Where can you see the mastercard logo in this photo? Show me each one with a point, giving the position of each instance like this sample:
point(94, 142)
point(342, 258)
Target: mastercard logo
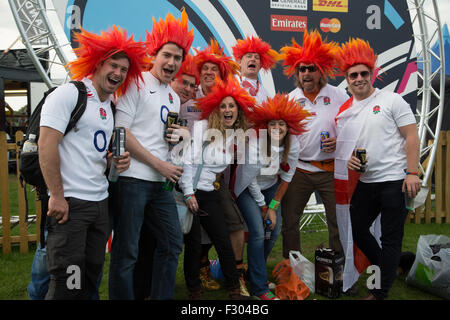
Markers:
point(330, 25)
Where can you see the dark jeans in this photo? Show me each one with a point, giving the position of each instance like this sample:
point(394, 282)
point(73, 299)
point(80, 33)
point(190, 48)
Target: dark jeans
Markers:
point(79, 242)
point(215, 226)
point(139, 200)
point(368, 201)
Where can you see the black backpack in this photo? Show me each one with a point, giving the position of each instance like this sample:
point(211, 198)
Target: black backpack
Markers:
point(29, 169)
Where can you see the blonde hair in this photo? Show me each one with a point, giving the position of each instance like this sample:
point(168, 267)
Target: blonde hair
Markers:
point(215, 121)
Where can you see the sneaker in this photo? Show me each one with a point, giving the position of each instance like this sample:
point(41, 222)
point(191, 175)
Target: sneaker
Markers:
point(207, 280)
point(243, 287)
point(267, 296)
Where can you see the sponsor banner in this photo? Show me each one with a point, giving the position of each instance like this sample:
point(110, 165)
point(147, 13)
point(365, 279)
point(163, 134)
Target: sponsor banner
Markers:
point(288, 23)
point(330, 25)
point(289, 4)
point(277, 23)
point(330, 5)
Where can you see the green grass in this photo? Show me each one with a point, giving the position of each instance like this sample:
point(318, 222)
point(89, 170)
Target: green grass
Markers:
point(15, 269)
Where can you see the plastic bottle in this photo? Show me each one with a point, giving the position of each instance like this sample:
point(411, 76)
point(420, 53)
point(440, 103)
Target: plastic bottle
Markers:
point(30, 145)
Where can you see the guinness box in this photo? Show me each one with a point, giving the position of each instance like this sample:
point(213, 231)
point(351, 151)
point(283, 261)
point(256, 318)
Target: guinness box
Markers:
point(329, 267)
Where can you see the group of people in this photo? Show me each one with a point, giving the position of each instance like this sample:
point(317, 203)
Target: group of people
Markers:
point(225, 191)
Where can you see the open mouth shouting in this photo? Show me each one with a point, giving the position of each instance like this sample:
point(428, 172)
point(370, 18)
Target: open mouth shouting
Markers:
point(168, 72)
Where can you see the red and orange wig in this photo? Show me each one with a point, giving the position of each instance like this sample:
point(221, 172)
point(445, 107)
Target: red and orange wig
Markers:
point(356, 51)
point(221, 90)
point(170, 30)
point(268, 56)
point(94, 49)
point(314, 50)
point(189, 67)
point(214, 54)
point(280, 107)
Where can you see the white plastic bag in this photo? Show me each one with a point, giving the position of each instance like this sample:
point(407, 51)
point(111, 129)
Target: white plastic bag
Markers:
point(303, 268)
point(431, 269)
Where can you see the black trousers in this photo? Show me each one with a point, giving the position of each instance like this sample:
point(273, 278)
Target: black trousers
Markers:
point(368, 201)
point(215, 226)
point(76, 250)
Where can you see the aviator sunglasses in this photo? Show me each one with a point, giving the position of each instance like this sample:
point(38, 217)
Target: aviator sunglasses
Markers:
point(354, 75)
point(303, 69)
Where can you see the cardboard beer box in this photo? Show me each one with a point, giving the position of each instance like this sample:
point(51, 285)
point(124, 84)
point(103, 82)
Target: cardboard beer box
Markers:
point(329, 267)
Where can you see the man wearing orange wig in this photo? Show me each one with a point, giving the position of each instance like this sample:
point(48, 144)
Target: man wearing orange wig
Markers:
point(73, 165)
point(253, 54)
point(185, 85)
point(144, 114)
point(311, 64)
point(382, 123)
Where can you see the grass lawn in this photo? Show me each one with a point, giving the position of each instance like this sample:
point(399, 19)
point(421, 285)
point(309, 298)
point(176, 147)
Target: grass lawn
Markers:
point(15, 269)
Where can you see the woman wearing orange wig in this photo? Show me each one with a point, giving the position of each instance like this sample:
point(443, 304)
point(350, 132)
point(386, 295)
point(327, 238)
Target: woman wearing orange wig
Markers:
point(260, 192)
point(224, 108)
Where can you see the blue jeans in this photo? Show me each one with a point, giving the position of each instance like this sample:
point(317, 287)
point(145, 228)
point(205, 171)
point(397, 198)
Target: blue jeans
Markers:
point(258, 248)
point(139, 200)
point(40, 278)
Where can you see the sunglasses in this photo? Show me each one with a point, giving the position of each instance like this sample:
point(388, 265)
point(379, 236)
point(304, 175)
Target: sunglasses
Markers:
point(303, 69)
point(189, 84)
point(354, 75)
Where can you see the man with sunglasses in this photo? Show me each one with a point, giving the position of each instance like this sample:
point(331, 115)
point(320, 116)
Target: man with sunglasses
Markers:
point(311, 64)
point(381, 122)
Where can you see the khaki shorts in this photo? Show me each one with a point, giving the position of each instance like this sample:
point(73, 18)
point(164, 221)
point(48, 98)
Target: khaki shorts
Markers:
point(233, 216)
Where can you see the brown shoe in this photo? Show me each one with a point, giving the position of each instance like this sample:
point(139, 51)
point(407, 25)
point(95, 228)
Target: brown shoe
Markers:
point(369, 297)
point(207, 280)
point(195, 294)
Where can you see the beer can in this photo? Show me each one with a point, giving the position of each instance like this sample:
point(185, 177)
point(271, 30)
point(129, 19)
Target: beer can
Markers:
point(172, 118)
point(324, 135)
point(361, 154)
point(118, 142)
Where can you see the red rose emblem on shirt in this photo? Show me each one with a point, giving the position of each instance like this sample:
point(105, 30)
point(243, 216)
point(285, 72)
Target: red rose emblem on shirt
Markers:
point(376, 109)
point(103, 113)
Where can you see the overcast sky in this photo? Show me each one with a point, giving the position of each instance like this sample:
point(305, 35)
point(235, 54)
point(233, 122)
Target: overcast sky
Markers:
point(9, 32)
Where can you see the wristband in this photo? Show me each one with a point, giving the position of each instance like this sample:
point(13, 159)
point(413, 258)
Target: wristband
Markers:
point(189, 197)
point(413, 173)
point(274, 204)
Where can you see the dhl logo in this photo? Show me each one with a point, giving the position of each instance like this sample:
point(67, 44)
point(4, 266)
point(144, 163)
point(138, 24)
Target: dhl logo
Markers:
point(330, 5)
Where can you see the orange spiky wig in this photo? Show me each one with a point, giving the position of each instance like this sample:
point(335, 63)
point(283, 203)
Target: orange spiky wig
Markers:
point(314, 50)
point(189, 67)
point(170, 30)
point(221, 90)
point(95, 49)
point(214, 54)
point(356, 51)
point(280, 107)
point(268, 56)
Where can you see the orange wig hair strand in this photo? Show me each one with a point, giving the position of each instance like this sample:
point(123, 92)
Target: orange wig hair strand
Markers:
point(170, 30)
point(280, 107)
point(214, 54)
point(314, 50)
point(268, 56)
point(94, 49)
point(221, 90)
point(356, 51)
point(189, 67)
